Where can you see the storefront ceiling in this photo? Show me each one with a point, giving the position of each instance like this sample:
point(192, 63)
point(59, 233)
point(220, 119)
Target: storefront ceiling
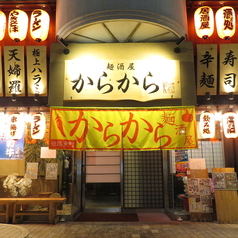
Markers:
point(48, 5)
point(212, 3)
point(121, 31)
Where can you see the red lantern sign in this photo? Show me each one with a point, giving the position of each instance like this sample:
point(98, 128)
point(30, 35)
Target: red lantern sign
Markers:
point(16, 126)
point(230, 125)
point(38, 125)
point(226, 22)
point(17, 25)
point(39, 25)
point(204, 22)
point(207, 125)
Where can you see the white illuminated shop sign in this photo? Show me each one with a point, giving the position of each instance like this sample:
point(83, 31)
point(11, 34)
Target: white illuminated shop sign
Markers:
point(140, 80)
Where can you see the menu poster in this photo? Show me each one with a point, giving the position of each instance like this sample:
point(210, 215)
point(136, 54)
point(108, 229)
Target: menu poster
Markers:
point(201, 204)
point(199, 186)
point(31, 170)
point(225, 181)
point(197, 163)
point(231, 181)
point(219, 180)
point(181, 162)
point(51, 171)
point(193, 186)
point(205, 186)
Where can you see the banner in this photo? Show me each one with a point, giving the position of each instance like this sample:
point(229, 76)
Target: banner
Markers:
point(207, 69)
point(128, 129)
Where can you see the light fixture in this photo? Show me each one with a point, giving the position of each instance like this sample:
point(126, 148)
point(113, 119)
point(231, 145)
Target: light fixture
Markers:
point(39, 25)
point(17, 25)
point(2, 25)
point(207, 124)
point(225, 22)
point(38, 126)
point(14, 97)
point(16, 126)
point(208, 96)
point(230, 124)
point(231, 95)
point(178, 43)
point(65, 44)
point(204, 22)
point(36, 97)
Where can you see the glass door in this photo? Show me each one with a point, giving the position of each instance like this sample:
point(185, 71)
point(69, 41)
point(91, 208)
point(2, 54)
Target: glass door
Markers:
point(102, 186)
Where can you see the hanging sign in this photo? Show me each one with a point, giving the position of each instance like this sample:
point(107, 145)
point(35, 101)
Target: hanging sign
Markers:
point(141, 80)
point(226, 22)
point(207, 125)
point(14, 70)
point(36, 70)
point(228, 68)
point(16, 126)
point(17, 25)
point(39, 25)
point(230, 125)
point(204, 22)
point(128, 129)
point(38, 126)
point(206, 69)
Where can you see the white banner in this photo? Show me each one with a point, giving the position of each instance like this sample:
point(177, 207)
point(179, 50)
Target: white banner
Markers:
point(14, 70)
point(228, 68)
point(36, 70)
point(206, 69)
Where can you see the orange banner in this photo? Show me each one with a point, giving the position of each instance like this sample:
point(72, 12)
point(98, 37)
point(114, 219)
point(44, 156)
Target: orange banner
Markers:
point(128, 129)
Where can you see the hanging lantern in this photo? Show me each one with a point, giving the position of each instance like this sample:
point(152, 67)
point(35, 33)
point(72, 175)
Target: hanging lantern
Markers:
point(17, 25)
point(2, 25)
point(16, 126)
point(38, 125)
point(207, 125)
point(204, 22)
point(230, 125)
point(226, 22)
point(39, 25)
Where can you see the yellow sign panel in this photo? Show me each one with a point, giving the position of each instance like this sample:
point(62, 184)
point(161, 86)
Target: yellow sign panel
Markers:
point(127, 129)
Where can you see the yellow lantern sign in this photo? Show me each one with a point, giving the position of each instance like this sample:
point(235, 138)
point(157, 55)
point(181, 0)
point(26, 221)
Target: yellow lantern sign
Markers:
point(226, 22)
point(230, 125)
point(16, 126)
point(2, 25)
point(17, 25)
point(207, 125)
point(39, 25)
point(204, 22)
point(38, 126)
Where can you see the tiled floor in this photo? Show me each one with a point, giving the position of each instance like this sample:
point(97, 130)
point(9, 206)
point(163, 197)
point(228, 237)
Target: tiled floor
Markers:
point(147, 227)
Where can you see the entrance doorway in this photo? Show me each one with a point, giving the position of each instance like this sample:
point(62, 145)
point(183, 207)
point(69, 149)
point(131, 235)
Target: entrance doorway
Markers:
point(102, 183)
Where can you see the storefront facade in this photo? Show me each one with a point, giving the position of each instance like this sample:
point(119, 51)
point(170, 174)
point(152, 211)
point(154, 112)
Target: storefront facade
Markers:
point(114, 67)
